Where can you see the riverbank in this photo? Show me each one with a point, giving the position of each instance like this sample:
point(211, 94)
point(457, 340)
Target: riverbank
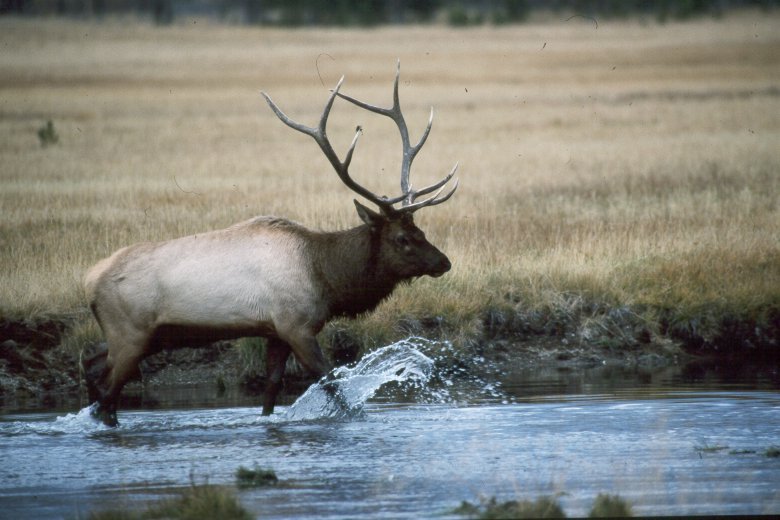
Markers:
point(39, 361)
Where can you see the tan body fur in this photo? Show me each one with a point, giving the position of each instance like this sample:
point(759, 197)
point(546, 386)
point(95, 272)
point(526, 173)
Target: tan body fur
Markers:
point(202, 280)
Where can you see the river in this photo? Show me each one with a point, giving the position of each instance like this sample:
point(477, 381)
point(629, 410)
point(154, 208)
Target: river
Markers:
point(411, 443)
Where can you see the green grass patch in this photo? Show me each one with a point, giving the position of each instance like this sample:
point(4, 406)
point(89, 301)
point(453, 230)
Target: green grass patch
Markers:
point(604, 506)
point(255, 477)
point(543, 507)
point(198, 502)
point(610, 506)
point(706, 448)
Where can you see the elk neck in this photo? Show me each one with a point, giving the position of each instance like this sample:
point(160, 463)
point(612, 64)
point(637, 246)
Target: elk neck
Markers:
point(349, 265)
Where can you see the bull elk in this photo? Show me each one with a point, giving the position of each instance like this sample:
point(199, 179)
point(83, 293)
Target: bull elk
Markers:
point(267, 276)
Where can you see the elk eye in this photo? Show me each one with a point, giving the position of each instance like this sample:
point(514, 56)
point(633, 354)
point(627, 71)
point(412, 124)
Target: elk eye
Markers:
point(402, 240)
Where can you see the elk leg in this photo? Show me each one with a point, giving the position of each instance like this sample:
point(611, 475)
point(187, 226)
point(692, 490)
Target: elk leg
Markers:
point(123, 365)
point(276, 354)
point(94, 370)
point(309, 354)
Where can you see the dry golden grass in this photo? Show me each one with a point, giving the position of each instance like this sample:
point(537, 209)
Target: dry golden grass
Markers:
point(628, 164)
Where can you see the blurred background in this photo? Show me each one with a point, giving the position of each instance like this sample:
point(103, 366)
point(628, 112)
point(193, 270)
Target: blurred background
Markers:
point(376, 12)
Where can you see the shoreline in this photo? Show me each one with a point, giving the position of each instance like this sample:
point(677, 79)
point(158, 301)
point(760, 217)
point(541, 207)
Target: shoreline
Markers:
point(38, 369)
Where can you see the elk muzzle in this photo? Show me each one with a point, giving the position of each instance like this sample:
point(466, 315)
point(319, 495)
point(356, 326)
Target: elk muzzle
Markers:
point(440, 264)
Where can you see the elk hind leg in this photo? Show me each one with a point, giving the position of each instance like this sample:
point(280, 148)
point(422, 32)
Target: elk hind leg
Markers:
point(121, 366)
point(276, 354)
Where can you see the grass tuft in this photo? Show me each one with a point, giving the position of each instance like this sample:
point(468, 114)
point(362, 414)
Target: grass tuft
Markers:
point(610, 506)
point(255, 477)
point(198, 502)
point(706, 448)
point(47, 135)
point(604, 506)
point(543, 507)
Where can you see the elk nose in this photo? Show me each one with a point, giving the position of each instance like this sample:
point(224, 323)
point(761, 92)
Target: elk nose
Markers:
point(443, 266)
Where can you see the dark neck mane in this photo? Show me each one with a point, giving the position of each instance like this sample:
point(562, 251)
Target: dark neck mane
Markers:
point(347, 263)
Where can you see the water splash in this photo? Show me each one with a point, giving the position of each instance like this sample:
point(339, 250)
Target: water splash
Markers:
point(79, 422)
point(350, 387)
point(412, 370)
point(460, 376)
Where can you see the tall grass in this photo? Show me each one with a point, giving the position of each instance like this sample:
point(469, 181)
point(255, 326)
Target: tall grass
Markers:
point(625, 164)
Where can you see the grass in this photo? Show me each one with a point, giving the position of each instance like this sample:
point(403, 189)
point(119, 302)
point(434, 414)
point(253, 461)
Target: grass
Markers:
point(770, 452)
point(543, 507)
point(610, 506)
point(255, 477)
point(625, 166)
point(604, 506)
point(198, 502)
point(706, 448)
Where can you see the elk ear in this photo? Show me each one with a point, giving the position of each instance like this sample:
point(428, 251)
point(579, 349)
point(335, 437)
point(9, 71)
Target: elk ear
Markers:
point(372, 218)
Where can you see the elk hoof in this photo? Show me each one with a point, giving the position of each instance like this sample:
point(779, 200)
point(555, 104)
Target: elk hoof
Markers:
point(107, 417)
point(335, 395)
point(330, 384)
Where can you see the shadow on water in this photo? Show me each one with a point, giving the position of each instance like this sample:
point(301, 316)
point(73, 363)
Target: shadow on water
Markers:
point(413, 434)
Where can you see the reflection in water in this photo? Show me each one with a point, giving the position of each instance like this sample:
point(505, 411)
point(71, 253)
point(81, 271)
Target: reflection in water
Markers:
point(418, 450)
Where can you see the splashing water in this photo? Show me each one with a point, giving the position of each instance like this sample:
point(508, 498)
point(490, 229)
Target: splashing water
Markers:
point(79, 422)
point(431, 371)
point(415, 370)
point(460, 375)
point(400, 362)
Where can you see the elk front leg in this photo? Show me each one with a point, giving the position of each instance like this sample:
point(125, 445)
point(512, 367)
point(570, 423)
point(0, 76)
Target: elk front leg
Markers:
point(94, 370)
point(276, 354)
point(309, 354)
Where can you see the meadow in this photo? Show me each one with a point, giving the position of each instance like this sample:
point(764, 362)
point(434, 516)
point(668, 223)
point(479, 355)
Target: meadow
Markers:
point(618, 165)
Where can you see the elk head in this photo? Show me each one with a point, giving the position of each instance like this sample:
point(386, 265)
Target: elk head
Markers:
point(405, 251)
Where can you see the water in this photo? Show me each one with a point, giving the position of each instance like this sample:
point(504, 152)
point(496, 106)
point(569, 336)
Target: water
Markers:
point(418, 447)
point(401, 363)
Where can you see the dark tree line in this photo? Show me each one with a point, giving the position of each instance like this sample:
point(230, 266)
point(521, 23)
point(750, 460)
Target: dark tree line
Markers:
point(376, 12)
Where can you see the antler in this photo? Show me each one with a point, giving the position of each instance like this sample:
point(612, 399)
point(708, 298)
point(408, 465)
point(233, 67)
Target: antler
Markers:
point(408, 196)
point(319, 134)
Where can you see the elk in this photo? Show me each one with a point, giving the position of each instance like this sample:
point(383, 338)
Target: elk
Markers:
point(267, 277)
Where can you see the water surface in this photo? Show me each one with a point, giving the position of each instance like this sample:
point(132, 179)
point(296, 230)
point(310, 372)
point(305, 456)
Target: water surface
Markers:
point(671, 450)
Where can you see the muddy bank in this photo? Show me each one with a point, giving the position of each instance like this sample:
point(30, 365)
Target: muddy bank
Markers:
point(36, 369)
point(34, 362)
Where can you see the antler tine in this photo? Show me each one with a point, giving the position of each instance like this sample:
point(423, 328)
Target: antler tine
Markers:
point(435, 186)
point(308, 130)
point(435, 199)
point(320, 136)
